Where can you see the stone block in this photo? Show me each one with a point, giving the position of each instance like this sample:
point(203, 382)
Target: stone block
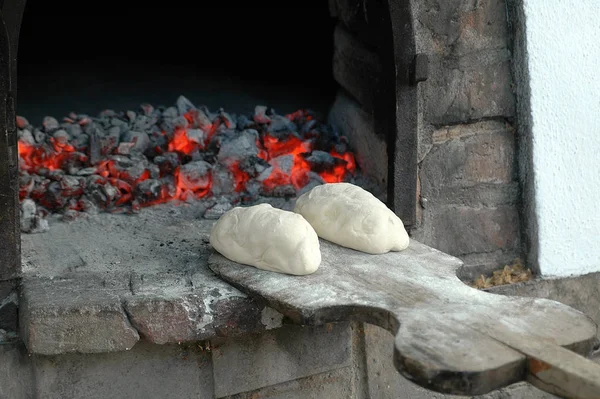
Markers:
point(464, 90)
point(163, 309)
point(488, 195)
point(458, 27)
point(469, 193)
point(385, 382)
point(146, 371)
point(16, 377)
point(468, 155)
point(469, 69)
point(77, 313)
point(460, 131)
point(459, 230)
point(336, 384)
point(256, 361)
point(232, 312)
point(105, 312)
point(163, 320)
point(192, 317)
point(170, 308)
point(454, 95)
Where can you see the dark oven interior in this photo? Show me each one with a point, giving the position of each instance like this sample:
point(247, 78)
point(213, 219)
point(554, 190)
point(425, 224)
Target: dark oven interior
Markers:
point(118, 55)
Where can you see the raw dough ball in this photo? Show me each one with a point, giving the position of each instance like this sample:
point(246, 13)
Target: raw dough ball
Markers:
point(267, 238)
point(352, 217)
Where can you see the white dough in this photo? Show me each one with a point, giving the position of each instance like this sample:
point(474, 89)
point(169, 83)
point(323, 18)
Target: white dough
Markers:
point(352, 217)
point(267, 238)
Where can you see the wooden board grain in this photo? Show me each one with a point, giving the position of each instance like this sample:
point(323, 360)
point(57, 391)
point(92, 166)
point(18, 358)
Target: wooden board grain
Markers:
point(450, 337)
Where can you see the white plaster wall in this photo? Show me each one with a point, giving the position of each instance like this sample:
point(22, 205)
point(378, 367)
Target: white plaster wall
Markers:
point(563, 50)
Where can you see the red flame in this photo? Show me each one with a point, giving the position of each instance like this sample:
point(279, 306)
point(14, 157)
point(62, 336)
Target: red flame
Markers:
point(181, 143)
point(186, 145)
point(275, 148)
point(299, 114)
point(339, 171)
point(240, 177)
point(272, 147)
point(35, 157)
point(194, 187)
point(185, 188)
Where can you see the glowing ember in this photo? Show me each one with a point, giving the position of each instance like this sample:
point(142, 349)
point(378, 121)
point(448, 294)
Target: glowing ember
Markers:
point(51, 157)
point(181, 143)
point(130, 160)
point(240, 177)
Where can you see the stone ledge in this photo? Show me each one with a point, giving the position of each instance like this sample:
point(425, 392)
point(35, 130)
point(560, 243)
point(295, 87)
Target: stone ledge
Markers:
point(74, 314)
point(107, 312)
point(103, 283)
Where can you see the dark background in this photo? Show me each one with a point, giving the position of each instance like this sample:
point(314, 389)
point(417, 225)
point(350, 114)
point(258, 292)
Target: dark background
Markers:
point(85, 57)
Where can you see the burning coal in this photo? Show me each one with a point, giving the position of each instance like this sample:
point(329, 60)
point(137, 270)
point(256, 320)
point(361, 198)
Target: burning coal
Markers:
point(123, 161)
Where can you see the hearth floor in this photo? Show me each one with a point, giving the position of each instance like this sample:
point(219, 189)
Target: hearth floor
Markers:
point(160, 239)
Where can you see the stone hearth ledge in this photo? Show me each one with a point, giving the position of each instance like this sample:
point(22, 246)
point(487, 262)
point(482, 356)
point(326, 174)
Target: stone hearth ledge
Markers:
point(91, 313)
point(103, 283)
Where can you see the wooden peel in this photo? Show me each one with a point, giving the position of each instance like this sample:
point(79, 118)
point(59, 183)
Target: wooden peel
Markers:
point(450, 337)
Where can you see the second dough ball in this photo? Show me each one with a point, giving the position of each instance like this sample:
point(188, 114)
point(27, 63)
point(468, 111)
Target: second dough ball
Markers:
point(352, 217)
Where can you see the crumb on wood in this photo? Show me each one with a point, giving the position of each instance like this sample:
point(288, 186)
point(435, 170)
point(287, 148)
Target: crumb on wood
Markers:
point(510, 274)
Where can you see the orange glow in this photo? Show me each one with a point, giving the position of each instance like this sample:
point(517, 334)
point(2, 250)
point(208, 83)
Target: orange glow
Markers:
point(297, 115)
point(240, 177)
point(197, 119)
point(191, 188)
point(274, 147)
point(338, 174)
point(181, 142)
point(348, 157)
point(298, 177)
point(36, 157)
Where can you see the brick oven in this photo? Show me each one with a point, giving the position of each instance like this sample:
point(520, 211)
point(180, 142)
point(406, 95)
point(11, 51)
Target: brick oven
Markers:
point(445, 148)
point(423, 94)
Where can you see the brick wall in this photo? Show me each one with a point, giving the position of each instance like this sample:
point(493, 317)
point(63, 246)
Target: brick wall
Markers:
point(335, 361)
point(287, 362)
point(468, 190)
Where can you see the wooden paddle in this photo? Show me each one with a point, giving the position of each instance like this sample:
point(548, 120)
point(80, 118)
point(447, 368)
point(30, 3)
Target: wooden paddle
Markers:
point(450, 337)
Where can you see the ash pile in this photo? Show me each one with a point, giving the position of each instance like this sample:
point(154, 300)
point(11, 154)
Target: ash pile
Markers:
point(125, 161)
